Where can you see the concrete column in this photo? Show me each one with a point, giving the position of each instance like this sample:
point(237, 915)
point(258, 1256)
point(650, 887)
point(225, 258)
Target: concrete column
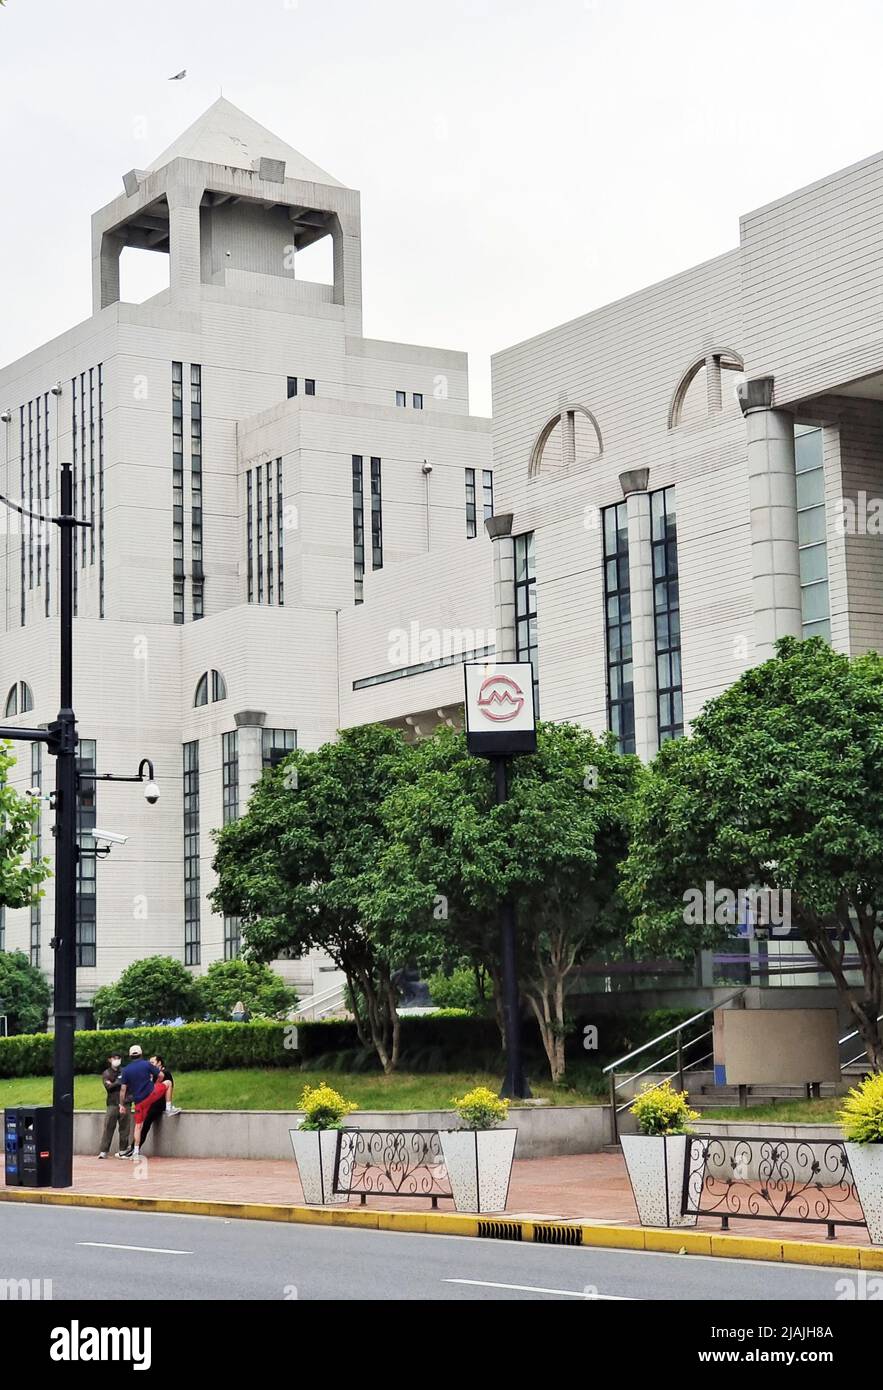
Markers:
point(499, 528)
point(634, 489)
point(185, 269)
point(772, 491)
point(106, 252)
point(250, 725)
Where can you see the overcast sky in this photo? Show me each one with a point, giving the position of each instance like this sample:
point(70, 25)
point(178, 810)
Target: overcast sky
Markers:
point(519, 162)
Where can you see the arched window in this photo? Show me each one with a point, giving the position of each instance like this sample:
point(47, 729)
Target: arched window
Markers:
point(19, 700)
point(703, 389)
point(210, 684)
point(572, 436)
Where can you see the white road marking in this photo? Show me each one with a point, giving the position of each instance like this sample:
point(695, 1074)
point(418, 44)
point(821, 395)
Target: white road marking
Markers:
point(559, 1293)
point(143, 1249)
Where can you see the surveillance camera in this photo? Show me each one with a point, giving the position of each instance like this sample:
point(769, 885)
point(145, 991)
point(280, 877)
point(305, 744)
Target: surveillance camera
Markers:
point(151, 793)
point(57, 389)
point(427, 468)
point(6, 417)
point(108, 837)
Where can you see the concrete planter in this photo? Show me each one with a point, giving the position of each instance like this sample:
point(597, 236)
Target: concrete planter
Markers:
point(314, 1153)
point(866, 1163)
point(479, 1166)
point(655, 1166)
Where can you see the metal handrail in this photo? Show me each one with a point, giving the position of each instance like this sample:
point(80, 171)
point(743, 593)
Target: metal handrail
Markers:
point(854, 1034)
point(697, 1063)
point(678, 1028)
point(679, 1071)
point(636, 1076)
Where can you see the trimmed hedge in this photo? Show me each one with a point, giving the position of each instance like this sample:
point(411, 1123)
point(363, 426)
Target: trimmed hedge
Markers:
point(192, 1047)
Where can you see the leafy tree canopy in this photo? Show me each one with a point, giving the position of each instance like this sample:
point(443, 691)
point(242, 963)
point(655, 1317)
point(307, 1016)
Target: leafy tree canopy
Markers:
point(227, 983)
point(24, 994)
point(153, 990)
point(779, 785)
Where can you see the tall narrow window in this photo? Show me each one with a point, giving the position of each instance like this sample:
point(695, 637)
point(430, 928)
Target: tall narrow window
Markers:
point(21, 548)
point(177, 493)
point(811, 532)
point(417, 400)
point(271, 538)
point(249, 531)
point(526, 609)
point(376, 517)
point(276, 744)
point(196, 512)
point(358, 530)
point(47, 529)
point(36, 847)
point(2, 928)
point(280, 576)
point(232, 938)
point(191, 854)
point(259, 529)
point(309, 386)
point(401, 398)
point(618, 621)
point(90, 533)
point(230, 776)
point(666, 604)
point(471, 527)
point(487, 492)
point(292, 386)
point(86, 877)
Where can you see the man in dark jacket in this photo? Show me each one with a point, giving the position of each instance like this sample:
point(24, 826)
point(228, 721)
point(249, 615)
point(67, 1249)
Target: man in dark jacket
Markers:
point(113, 1117)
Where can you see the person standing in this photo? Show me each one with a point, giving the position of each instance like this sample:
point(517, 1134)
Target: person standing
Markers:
point(138, 1079)
point(115, 1116)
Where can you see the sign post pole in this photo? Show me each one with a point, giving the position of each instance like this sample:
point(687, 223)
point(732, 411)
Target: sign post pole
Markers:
point(501, 723)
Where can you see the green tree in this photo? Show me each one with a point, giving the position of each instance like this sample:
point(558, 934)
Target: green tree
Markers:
point(297, 869)
point(20, 875)
point(24, 994)
point(227, 983)
point(464, 987)
point(553, 846)
point(151, 990)
point(778, 786)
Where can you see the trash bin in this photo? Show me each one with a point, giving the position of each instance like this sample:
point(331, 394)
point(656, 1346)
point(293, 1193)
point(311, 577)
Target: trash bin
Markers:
point(28, 1132)
point(13, 1155)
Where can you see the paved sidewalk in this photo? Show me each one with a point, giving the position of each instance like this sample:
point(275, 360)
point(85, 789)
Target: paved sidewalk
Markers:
point(591, 1187)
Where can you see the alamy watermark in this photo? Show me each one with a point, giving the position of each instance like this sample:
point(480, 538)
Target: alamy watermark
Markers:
point(751, 909)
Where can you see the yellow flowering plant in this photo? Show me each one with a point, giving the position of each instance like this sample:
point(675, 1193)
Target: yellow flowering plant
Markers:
point(862, 1115)
point(324, 1107)
point(662, 1110)
point(480, 1108)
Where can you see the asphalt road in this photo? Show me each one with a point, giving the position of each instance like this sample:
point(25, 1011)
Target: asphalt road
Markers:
point(92, 1254)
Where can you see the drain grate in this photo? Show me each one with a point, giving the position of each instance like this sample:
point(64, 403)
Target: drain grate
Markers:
point(558, 1235)
point(500, 1230)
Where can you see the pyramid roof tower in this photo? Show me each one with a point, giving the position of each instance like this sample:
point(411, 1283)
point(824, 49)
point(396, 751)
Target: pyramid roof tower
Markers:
point(225, 135)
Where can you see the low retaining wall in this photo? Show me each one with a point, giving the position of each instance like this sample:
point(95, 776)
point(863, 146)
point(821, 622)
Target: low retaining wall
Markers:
point(543, 1131)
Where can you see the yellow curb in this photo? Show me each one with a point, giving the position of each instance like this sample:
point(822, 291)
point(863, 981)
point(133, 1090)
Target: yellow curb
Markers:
point(402, 1221)
point(747, 1247)
point(616, 1237)
point(450, 1224)
point(814, 1253)
point(869, 1258)
point(693, 1242)
point(359, 1216)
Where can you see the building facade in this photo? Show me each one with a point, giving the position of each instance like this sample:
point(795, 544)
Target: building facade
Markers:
point(270, 495)
point(296, 529)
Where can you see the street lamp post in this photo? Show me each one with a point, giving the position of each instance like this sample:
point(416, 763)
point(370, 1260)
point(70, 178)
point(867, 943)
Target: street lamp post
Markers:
point(60, 738)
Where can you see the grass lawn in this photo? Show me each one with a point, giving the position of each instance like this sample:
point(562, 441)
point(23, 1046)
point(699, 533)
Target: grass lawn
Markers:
point(819, 1112)
point(279, 1088)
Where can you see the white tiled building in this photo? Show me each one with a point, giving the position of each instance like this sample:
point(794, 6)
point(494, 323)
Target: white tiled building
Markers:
point(272, 496)
point(288, 517)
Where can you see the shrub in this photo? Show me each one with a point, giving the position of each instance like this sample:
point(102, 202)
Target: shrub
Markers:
point(660, 1110)
point(151, 990)
point(227, 983)
point(325, 1107)
point(862, 1113)
point(480, 1109)
point(191, 1047)
point(459, 990)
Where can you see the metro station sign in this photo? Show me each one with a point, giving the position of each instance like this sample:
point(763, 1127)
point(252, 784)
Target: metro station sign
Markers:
point(500, 716)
